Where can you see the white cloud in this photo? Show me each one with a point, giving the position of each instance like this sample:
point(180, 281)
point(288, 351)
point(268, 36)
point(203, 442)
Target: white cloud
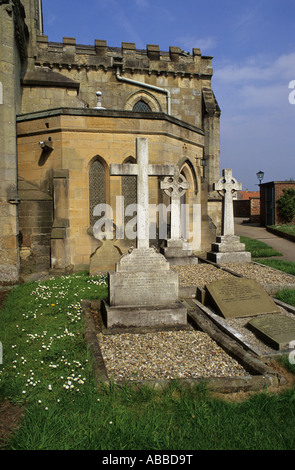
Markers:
point(257, 119)
point(257, 69)
point(190, 42)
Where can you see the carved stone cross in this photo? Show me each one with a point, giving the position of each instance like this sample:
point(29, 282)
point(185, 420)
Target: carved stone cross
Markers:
point(227, 186)
point(175, 187)
point(142, 169)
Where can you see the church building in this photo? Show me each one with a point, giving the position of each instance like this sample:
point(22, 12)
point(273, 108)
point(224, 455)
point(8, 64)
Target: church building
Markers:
point(68, 111)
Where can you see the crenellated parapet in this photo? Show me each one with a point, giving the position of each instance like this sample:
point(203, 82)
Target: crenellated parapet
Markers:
point(152, 60)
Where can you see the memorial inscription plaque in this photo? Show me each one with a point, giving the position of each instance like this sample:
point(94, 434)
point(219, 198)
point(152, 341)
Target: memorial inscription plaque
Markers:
point(240, 297)
point(276, 330)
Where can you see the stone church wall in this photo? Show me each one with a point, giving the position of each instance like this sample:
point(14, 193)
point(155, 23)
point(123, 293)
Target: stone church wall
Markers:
point(77, 138)
point(48, 93)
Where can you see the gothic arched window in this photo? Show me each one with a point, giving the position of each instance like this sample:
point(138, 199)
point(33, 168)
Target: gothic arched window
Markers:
point(129, 191)
point(97, 187)
point(142, 106)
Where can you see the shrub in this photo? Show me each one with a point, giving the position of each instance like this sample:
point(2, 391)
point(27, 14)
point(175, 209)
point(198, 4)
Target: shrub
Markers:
point(286, 204)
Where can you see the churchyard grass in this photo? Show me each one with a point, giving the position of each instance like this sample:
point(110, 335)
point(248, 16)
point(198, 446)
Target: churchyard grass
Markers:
point(283, 265)
point(47, 369)
point(287, 296)
point(287, 228)
point(258, 249)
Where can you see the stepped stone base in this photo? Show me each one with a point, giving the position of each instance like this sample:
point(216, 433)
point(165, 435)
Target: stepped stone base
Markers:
point(229, 249)
point(150, 316)
point(178, 252)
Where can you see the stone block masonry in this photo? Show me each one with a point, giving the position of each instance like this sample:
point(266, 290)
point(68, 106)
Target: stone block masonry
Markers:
point(13, 37)
point(49, 90)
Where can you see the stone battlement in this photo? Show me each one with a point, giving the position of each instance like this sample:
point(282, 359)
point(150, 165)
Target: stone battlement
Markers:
point(69, 54)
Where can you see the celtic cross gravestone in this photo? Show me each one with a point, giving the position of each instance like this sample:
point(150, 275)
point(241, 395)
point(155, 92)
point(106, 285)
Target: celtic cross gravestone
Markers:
point(177, 250)
point(228, 248)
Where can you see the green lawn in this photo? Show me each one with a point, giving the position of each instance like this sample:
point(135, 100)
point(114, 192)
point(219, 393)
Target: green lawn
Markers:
point(287, 228)
point(259, 249)
point(283, 265)
point(47, 370)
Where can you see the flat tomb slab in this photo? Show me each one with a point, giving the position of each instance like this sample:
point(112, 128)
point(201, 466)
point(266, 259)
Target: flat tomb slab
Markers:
point(276, 330)
point(146, 316)
point(240, 297)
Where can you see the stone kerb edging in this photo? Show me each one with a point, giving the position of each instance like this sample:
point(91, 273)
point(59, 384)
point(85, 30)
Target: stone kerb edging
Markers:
point(261, 375)
point(279, 233)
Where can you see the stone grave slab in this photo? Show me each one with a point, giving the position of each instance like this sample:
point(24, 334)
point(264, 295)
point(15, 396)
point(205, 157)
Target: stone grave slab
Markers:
point(240, 297)
point(276, 330)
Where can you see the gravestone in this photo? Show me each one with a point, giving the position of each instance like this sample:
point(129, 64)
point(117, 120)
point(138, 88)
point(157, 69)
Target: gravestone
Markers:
point(236, 297)
point(143, 290)
point(276, 330)
point(104, 258)
point(228, 248)
point(177, 250)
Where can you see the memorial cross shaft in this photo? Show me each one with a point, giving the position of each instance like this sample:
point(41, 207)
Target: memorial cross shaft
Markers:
point(142, 169)
point(227, 186)
point(175, 187)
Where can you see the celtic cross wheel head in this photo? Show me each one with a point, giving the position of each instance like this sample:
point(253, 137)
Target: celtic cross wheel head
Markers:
point(175, 186)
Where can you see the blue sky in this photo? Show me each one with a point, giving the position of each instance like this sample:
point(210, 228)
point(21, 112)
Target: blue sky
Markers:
point(253, 45)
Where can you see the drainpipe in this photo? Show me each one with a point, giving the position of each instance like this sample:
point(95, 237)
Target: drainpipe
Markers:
point(146, 85)
point(40, 17)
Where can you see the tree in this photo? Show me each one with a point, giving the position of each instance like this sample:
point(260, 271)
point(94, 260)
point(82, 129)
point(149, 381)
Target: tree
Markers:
point(286, 205)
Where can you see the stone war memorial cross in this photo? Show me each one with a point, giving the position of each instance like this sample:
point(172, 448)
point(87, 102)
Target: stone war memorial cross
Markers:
point(228, 248)
point(143, 290)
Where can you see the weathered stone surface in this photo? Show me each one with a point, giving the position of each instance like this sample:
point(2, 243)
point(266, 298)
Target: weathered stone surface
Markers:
point(45, 103)
point(228, 248)
point(145, 316)
point(240, 297)
point(104, 258)
point(177, 250)
point(143, 292)
point(143, 278)
point(230, 257)
point(276, 330)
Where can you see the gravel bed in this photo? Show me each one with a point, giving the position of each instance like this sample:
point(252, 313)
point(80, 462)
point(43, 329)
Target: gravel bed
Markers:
point(186, 353)
point(166, 355)
point(198, 274)
point(262, 274)
point(202, 274)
